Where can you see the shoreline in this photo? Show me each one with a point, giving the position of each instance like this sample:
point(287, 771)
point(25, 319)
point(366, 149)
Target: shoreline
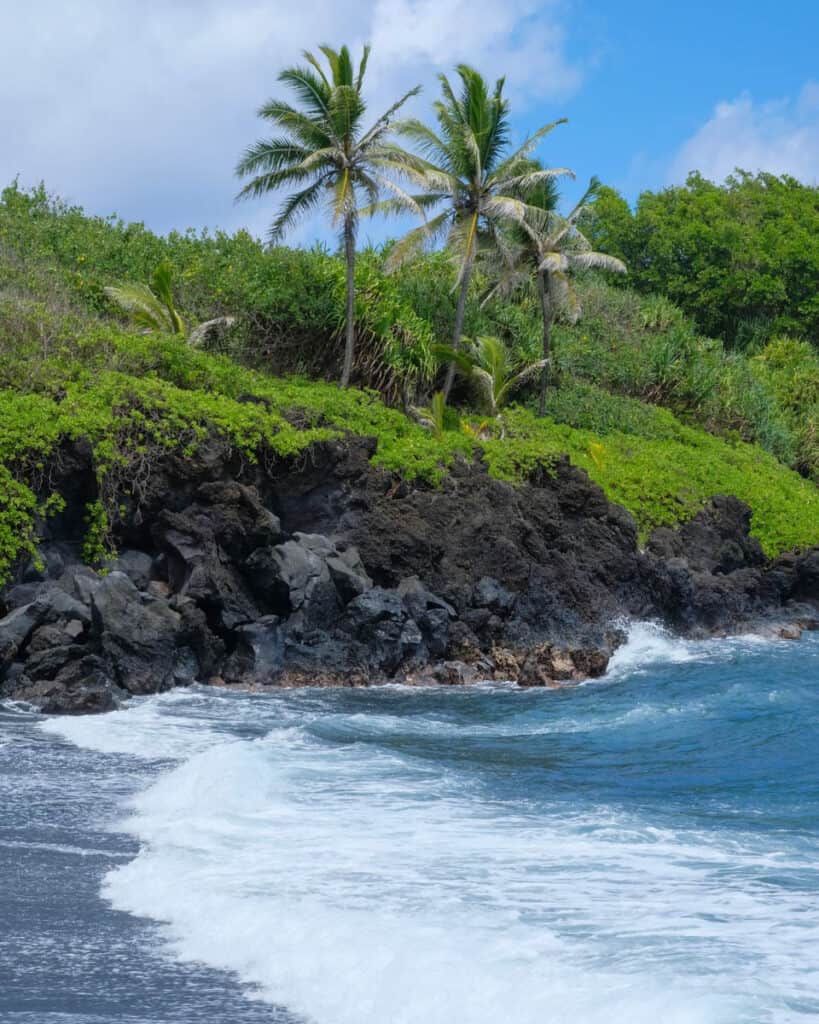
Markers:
point(322, 572)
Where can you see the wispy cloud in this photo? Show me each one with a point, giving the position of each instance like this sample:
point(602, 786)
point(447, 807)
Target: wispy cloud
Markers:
point(143, 108)
point(781, 136)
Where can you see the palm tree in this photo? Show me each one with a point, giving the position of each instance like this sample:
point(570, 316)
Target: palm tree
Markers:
point(325, 153)
point(152, 306)
point(491, 366)
point(550, 248)
point(465, 171)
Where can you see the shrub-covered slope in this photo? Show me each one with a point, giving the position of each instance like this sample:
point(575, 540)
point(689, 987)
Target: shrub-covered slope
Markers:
point(55, 263)
point(69, 371)
point(134, 397)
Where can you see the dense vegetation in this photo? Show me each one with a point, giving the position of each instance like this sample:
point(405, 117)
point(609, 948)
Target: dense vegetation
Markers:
point(741, 258)
point(69, 369)
point(138, 344)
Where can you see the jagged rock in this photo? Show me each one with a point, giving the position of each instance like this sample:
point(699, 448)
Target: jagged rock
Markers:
point(548, 665)
point(418, 600)
point(15, 630)
point(349, 575)
point(379, 579)
point(239, 520)
point(47, 663)
point(137, 566)
point(60, 606)
point(259, 653)
point(80, 687)
point(80, 583)
point(139, 640)
point(45, 638)
point(21, 594)
point(489, 594)
point(303, 567)
point(377, 605)
point(53, 559)
point(262, 570)
point(716, 540)
point(806, 586)
point(198, 569)
point(195, 635)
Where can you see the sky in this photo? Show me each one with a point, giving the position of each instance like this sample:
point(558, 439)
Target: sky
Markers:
point(143, 107)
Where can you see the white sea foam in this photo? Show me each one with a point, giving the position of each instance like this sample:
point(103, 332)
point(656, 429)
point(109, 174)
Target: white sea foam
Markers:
point(141, 729)
point(356, 884)
point(355, 891)
point(650, 644)
point(20, 707)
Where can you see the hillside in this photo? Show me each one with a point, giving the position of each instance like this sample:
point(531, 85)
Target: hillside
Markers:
point(70, 371)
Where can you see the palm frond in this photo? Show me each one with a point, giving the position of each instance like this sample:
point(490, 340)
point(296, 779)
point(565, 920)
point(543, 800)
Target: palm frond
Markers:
point(312, 91)
point(403, 202)
point(598, 260)
point(522, 152)
point(384, 122)
point(415, 241)
point(297, 206)
point(526, 181)
point(140, 303)
point(426, 140)
point(362, 66)
point(316, 65)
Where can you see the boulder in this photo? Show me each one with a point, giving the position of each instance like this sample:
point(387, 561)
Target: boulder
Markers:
point(80, 687)
point(198, 568)
point(311, 591)
point(258, 655)
point(348, 575)
point(139, 639)
point(376, 605)
point(138, 566)
point(15, 629)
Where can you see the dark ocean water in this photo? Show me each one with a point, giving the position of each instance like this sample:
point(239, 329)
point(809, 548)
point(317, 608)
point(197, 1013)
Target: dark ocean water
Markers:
point(642, 849)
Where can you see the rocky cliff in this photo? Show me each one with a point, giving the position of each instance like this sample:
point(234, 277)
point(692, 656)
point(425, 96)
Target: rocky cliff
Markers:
point(325, 570)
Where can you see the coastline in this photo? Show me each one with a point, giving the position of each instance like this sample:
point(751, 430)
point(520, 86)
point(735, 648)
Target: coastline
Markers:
point(324, 571)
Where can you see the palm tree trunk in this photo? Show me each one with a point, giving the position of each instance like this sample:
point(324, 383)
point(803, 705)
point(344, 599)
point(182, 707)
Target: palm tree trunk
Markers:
point(349, 346)
point(548, 316)
point(460, 312)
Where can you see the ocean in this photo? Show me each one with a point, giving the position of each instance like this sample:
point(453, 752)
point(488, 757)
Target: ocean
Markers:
point(639, 849)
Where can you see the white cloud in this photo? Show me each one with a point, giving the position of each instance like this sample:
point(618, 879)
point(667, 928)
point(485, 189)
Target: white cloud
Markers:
point(143, 106)
point(781, 136)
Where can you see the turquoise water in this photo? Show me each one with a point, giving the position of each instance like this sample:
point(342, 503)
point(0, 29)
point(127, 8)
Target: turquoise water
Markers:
point(644, 848)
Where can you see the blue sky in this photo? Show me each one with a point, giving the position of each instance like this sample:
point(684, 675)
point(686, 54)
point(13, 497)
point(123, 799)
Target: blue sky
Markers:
point(141, 107)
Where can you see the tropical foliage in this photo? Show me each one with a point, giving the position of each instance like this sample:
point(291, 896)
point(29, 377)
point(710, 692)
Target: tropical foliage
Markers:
point(150, 307)
point(493, 370)
point(741, 258)
point(134, 397)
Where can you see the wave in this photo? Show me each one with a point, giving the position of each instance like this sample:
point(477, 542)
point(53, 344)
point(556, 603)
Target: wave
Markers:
point(348, 893)
point(649, 644)
point(142, 729)
point(363, 856)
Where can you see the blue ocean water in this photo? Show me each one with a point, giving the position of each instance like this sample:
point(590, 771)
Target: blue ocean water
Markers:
point(642, 848)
